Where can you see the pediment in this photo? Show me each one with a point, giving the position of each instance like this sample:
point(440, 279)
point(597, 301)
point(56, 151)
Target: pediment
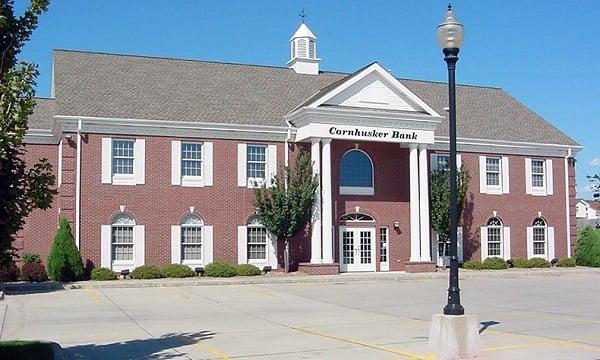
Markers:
point(373, 88)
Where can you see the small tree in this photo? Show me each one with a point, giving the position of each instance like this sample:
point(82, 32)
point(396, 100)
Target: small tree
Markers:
point(440, 200)
point(64, 261)
point(285, 207)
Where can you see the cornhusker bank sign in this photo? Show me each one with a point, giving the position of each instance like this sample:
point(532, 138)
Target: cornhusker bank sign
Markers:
point(364, 133)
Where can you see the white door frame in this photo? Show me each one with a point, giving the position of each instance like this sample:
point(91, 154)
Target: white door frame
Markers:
point(356, 265)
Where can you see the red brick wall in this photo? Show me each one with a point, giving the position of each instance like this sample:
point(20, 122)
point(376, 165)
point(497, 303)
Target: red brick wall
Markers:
point(40, 225)
point(157, 204)
point(516, 209)
point(390, 203)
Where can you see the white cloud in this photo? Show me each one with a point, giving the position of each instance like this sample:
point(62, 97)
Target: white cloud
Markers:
point(595, 162)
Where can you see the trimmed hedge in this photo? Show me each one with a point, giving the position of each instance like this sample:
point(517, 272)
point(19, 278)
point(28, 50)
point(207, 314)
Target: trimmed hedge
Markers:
point(30, 258)
point(9, 272)
point(587, 251)
point(146, 272)
point(538, 263)
point(104, 274)
point(177, 271)
point(220, 269)
point(248, 270)
point(473, 265)
point(566, 262)
point(520, 262)
point(64, 260)
point(494, 263)
point(34, 272)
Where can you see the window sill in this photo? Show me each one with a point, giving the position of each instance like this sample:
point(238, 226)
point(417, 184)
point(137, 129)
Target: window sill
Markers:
point(538, 192)
point(192, 181)
point(255, 182)
point(355, 190)
point(493, 191)
point(123, 180)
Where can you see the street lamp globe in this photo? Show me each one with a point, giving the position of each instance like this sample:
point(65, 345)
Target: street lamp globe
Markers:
point(450, 33)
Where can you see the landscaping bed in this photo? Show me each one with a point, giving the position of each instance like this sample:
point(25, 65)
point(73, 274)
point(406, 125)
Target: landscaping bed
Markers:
point(26, 350)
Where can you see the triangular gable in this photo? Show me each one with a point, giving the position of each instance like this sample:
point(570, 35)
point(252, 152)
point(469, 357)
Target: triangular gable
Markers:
point(372, 88)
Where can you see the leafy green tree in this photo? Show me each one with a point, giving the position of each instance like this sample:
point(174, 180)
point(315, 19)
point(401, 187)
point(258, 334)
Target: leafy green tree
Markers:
point(285, 207)
point(64, 261)
point(440, 200)
point(22, 189)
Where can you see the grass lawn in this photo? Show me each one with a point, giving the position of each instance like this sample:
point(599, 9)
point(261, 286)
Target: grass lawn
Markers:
point(26, 350)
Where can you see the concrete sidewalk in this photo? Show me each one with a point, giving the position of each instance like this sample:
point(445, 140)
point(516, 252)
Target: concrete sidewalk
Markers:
point(296, 279)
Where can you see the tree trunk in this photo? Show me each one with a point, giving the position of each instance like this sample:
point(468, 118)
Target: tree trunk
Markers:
point(286, 256)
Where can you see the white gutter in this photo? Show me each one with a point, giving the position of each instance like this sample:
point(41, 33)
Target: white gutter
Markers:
point(567, 207)
point(78, 186)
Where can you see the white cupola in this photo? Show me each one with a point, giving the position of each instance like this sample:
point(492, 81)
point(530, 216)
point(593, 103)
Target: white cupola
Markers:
point(303, 54)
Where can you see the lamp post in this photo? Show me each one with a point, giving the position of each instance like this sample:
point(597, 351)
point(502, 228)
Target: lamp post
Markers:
point(450, 35)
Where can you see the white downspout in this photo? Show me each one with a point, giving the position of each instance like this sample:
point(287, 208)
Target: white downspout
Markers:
point(567, 207)
point(287, 140)
point(78, 186)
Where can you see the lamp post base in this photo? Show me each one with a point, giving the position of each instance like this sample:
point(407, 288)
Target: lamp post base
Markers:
point(455, 337)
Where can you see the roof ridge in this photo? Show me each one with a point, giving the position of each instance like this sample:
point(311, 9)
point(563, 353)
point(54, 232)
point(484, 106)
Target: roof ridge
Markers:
point(183, 59)
point(253, 65)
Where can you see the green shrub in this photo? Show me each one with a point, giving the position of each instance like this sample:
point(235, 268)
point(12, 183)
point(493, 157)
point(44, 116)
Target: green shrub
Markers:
point(34, 272)
point(494, 263)
point(146, 272)
point(177, 271)
point(566, 262)
point(473, 265)
point(64, 260)
point(30, 258)
point(587, 251)
point(538, 263)
point(103, 274)
point(9, 272)
point(247, 270)
point(520, 262)
point(220, 269)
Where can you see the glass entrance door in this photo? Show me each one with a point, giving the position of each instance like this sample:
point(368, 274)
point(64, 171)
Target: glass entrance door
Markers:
point(357, 249)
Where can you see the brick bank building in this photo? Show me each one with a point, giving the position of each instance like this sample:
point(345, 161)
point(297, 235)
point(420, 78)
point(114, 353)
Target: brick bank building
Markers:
point(156, 158)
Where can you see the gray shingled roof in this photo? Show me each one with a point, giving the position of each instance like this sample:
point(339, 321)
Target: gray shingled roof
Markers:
point(123, 86)
point(42, 114)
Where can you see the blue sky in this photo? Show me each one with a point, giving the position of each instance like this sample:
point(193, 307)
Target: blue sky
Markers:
point(543, 53)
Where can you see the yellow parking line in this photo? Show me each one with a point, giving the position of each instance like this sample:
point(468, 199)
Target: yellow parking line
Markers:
point(544, 340)
point(406, 354)
point(93, 294)
point(212, 351)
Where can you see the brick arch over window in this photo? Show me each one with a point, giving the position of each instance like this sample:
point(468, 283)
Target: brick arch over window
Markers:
point(122, 242)
point(191, 241)
point(356, 173)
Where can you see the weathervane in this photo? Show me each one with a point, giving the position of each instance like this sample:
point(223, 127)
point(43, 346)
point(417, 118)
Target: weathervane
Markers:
point(303, 15)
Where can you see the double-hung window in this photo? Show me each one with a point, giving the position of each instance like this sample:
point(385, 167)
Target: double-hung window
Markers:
point(256, 162)
point(191, 239)
point(494, 237)
point(537, 173)
point(538, 177)
point(257, 243)
point(122, 243)
point(493, 175)
point(123, 161)
point(122, 157)
point(539, 237)
point(191, 160)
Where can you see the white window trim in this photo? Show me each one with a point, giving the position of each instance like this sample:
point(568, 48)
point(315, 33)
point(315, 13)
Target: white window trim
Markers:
point(139, 166)
point(206, 163)
point(503, 174)
point(243, 248)
point(434, 161)
point(264, 261)
point(548, 187)
point(384, 265)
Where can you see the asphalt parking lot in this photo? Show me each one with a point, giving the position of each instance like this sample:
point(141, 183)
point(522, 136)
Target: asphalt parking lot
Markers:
point(522, 318)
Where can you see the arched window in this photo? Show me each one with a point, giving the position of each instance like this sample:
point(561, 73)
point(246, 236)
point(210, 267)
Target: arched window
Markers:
point(122, 238)
point(356, 217)
point(256, 240)
point(539, 237)
point(191, 237)
point(356, 173)
point(494, 237)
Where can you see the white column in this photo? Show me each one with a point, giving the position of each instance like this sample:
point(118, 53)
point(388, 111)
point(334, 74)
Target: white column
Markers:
point(424, 204)
point(327, 209)
point(315, 237)
point(415, 247)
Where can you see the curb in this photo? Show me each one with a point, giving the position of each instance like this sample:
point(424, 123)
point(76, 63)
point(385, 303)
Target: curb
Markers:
point(299, 279)
point(59, 352)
